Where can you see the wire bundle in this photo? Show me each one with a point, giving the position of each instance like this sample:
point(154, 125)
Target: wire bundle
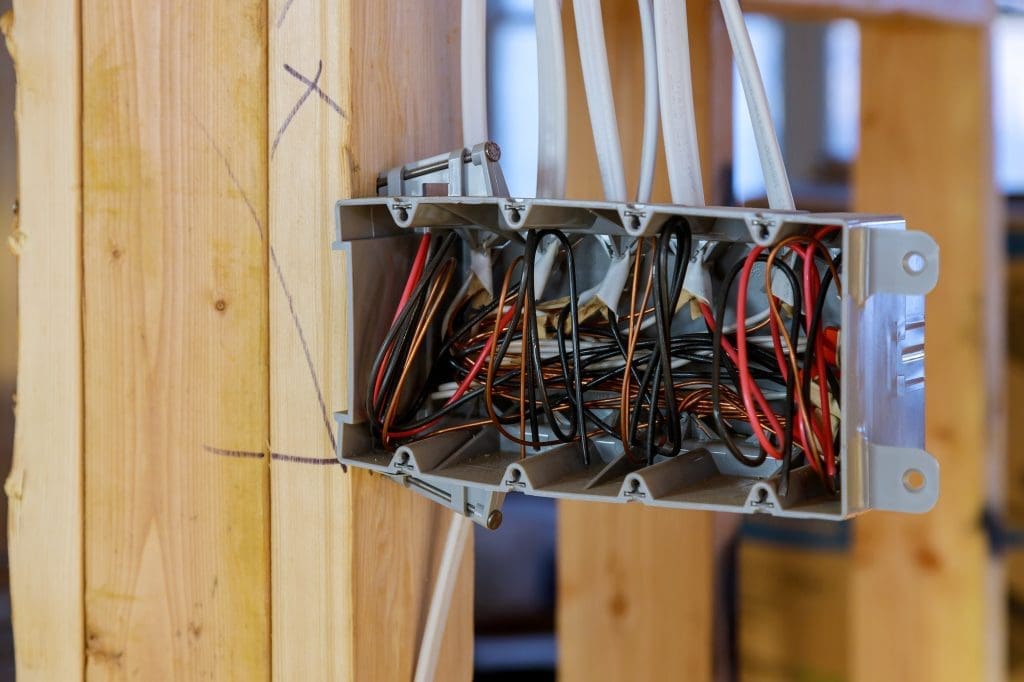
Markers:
point(544, 371)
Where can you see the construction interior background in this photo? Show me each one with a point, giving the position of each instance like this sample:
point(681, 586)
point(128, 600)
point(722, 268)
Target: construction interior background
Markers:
point(168, 305)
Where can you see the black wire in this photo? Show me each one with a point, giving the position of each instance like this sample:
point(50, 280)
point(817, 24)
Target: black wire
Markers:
point(531, 348)
point(665, 302)
point(573, 306)
point(400, 330)
point(716, 372)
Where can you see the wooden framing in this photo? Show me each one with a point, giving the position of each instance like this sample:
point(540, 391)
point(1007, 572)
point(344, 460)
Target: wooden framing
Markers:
point(44, 487)
point(176, 398)
point(175, 509)
point(933, 575)
point(352, 554)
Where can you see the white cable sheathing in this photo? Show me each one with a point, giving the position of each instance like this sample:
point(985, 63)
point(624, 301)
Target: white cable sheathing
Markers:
point(649, 148)
point(552, 138)
point(678, 118)
point(441, 600)
point(473, 65)
point(780, 196)
point(600, 103)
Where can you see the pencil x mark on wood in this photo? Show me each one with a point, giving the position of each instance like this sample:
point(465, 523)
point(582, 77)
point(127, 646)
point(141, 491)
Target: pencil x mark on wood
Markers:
point(311, 87)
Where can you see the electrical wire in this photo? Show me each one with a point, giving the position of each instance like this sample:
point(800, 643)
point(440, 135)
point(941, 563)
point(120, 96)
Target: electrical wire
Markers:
point(675, 89)
point(649, 146)
point(441, 598)
point(473, 69)
point(780, 195)
point(552, 140)
point(598, 85)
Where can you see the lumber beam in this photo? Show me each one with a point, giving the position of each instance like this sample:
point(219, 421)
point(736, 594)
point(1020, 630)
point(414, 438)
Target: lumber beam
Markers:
point(44, 487)
point(925, 599)
point(635, 586)
point(977, 12)
point(174, 173)
point(355, 87)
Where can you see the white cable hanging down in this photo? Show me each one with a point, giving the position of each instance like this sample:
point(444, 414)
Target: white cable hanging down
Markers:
point(776, 181)
point(441, 600)
point(473, 65)
point(600, 103)
point(675, 87)
point(552, 137)
point(649, 148)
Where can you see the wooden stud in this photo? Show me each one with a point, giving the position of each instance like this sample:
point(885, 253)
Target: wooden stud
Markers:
point(925, 600)
point(793, 623)
point(355, 87)
point(44, 487)
point(174, 170)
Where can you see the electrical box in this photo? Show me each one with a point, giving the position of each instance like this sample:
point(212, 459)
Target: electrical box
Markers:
point(852, 434)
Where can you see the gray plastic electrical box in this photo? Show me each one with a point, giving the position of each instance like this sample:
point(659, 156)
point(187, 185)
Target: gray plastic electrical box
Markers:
point(887, 270)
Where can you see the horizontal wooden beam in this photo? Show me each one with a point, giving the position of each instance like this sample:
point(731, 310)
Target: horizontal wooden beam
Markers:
point(960, 11)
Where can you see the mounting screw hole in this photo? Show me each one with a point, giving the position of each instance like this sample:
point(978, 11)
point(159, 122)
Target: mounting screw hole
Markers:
point(762, 495)
point(403, 215)
point(763, 232)
point(913, 480)
point(634, 485)
point(634, 223)
point(514, 216)
point(515, 476)
point(914, 263)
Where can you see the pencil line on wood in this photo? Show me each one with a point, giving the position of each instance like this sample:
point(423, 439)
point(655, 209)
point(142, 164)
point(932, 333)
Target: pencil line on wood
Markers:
point(234, 178)
point(305, 346)
point(298, 105)
point(246, 454)
point(284, 12)
point(284, 286)
point(323, 95)
point(301, 460)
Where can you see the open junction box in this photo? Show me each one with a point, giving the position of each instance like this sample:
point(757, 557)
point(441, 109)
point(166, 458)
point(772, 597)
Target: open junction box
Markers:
point(877, 325)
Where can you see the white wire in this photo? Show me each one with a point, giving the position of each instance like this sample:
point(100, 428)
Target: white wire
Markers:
point(473, 65)
point(552, 133)
point(598, 84)
point(675, 87)
point(780, 196)
point(649, 148)
point(441, 600)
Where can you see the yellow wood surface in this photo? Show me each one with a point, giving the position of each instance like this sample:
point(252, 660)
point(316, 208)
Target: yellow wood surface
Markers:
point(354, 555)
point(635, 588)
point(44, 487)
point(793, 618)
point(1015, 466)
point(961, 11)
point(1015, 393)
point(174, 159)
point(924, 604)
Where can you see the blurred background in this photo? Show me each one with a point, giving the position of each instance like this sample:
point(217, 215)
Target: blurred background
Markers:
point(811, 73)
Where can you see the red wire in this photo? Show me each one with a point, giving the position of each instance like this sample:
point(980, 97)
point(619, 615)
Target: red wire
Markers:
point(748, 387)
point(466, 382)
point(414, 276)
